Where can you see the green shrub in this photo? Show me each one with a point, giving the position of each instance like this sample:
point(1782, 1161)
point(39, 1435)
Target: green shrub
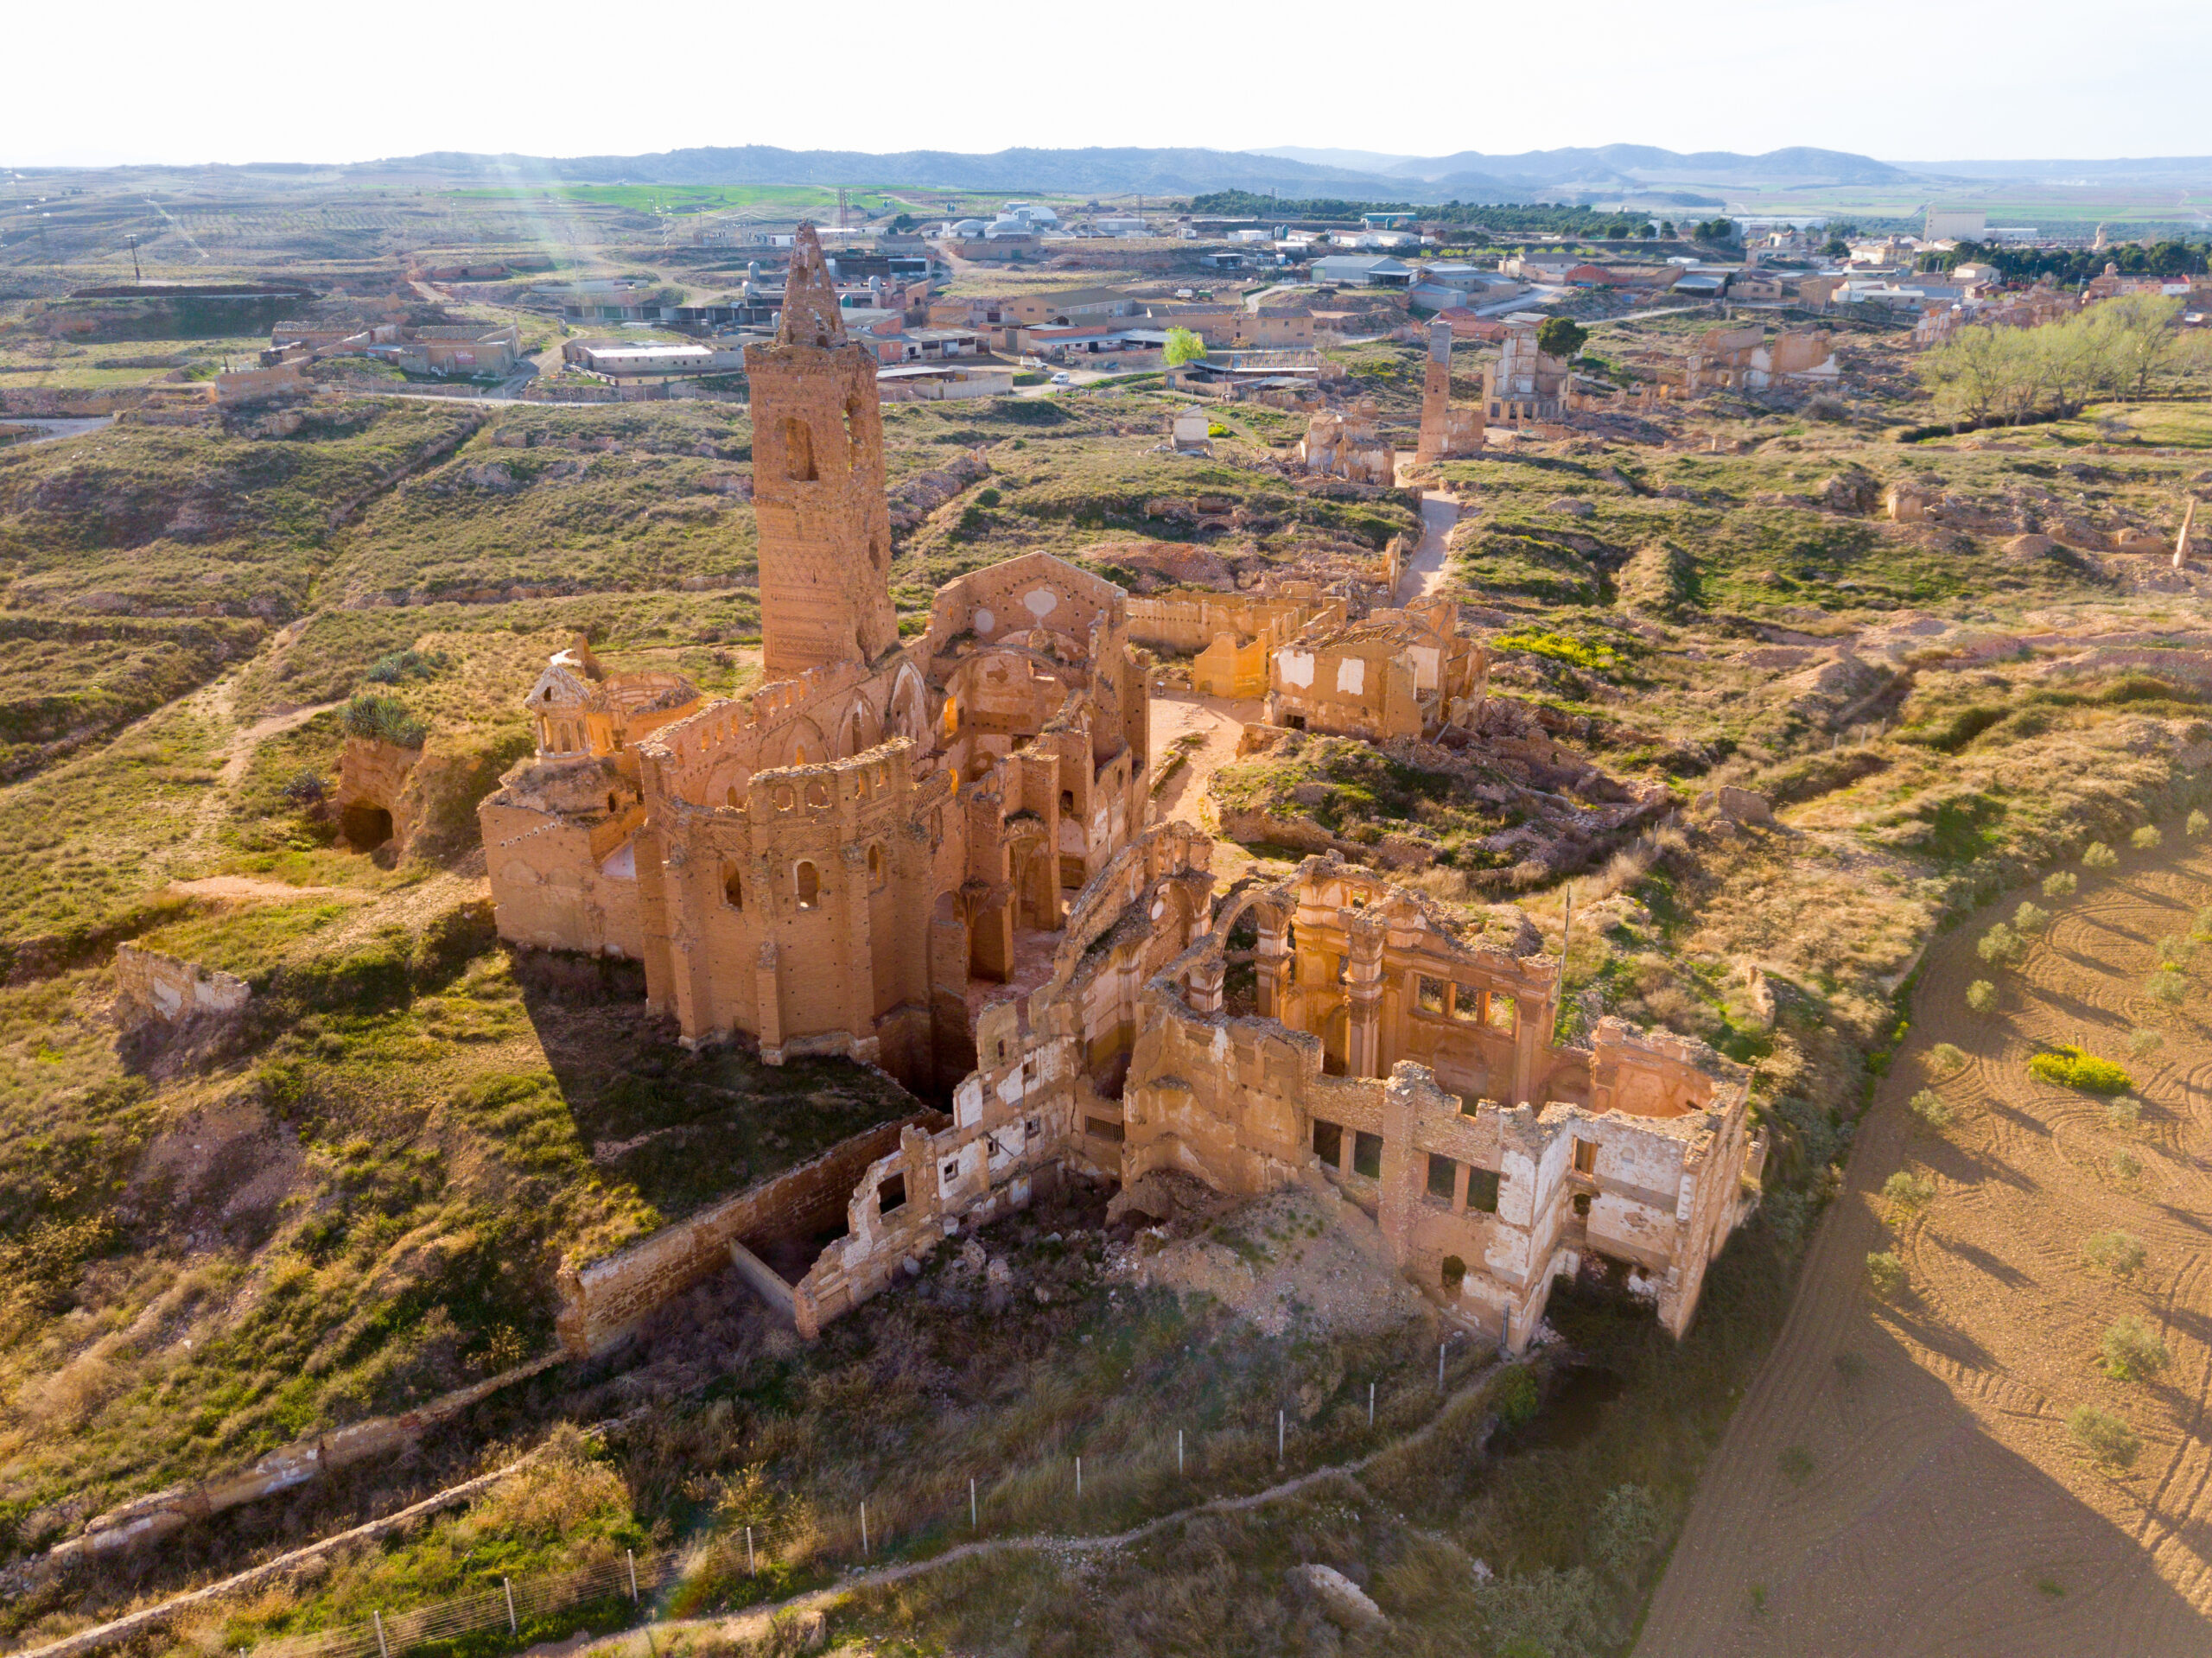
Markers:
point(2203, 927)
point(2064, 884)
point(2099, 856)
point(1928, 1105)
point(1945, 1058)
point(1885, 1272)
point(2169, 987)
point(2124, 1111)
point(2071, 1067)
point(1909, 1192)
point(383, 719)
point(2104, 1436)
point(2001, 947)
point(2146, 839)
point(1981, 997)
point(2118, 1253)
point(1517, 1396)
point(2133, 1351)
point(1627, 1526)
point(2198, 822)
point(2030, 919)
point(2143, 1043)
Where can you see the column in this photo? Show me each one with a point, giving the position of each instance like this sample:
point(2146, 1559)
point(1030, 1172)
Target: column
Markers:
point(1364, 987)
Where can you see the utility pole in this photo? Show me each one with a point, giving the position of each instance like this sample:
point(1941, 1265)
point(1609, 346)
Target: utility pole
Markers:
point(136, 279)
point(840, 206)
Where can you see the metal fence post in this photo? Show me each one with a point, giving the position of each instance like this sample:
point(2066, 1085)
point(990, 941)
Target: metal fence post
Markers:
point(864, 1549)
point(1078, 1479)
point(974, 1524)
point(383, 1650)
point(508, 1589)
point(751, 1570)
point(1370, 1404)
point(632, 1554)
point(1179, 1453)
point(1440, 1367)
point(1279, 1438)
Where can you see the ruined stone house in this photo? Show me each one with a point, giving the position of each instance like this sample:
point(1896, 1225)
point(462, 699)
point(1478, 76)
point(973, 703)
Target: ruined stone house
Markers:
point(1230, 635)
point(1526, 382)
point(1346, 443)
point(1396, 673)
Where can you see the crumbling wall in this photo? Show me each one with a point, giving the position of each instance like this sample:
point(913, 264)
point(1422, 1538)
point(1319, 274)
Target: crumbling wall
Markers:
point(603, 1300)
point(151, 986)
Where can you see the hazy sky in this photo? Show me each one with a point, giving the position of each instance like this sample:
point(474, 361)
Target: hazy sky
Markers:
point(238, 80)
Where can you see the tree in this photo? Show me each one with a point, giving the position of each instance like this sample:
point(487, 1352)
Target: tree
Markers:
point(1183, 347)
point(1837, 248)
point(1560, 337)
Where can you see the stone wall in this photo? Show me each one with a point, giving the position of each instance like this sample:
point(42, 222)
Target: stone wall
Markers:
point(150, 986)
point(373, 803)
point(603, 1300)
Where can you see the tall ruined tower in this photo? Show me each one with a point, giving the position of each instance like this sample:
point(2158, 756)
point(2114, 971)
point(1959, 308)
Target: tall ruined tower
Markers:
point(818, 483)
point(1443, 430)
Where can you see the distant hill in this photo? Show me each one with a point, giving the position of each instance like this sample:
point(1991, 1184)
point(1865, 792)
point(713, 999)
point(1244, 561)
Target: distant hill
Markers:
point(1102, 171)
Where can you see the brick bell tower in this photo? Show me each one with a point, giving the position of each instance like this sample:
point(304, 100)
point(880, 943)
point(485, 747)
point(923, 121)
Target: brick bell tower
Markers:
point(818, 483)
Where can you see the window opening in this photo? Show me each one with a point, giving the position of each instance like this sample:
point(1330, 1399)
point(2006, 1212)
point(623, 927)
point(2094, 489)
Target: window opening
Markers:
point(1329, 1143)
point(1482, 1190)
point(1441, 1172)
point(1367, 1154)
point(807, 882)
point(733, 886)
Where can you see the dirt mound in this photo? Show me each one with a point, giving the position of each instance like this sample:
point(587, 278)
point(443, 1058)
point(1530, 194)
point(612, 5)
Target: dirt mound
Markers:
point(1293, 1257)
point(1911, 1474)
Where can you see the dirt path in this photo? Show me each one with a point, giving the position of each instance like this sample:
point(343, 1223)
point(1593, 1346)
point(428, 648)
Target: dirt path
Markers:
point(1204, 730)
point(1900, 1478)
point(1424, 572)
point(247, 739)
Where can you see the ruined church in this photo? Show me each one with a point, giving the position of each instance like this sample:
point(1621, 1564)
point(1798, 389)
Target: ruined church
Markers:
point(931, 856)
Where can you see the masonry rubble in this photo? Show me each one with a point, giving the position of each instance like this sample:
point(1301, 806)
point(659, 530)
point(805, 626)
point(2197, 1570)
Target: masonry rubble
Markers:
point(930, 856)
point(151, 986)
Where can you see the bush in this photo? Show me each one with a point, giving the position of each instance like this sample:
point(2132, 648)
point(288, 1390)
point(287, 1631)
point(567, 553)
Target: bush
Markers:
point(1981, 997)
point(2104, 1436)
point(1885, 1272)
point(382, 719)
point(2064, 884)
point(2030, 919)
point(2146, 839)
point(2143, 1043)
point(2070, 1067)
point(306, 788)
point(2203, 927)
point(2124, 1111)
point(2133, 1351)
point(1797, 1464)
point(2118, 1253)
point(2001, 947)
point(1908, 1192)
point(1929, 1107)
point(2198, 822)
point(2099, 856)
point(1628, 1525)
point(2168, 986)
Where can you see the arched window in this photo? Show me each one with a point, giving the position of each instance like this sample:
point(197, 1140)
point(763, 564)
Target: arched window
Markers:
point(733, 886)
point(798, 451)
point(730, 794)
point(878, 869)
point(806, 882)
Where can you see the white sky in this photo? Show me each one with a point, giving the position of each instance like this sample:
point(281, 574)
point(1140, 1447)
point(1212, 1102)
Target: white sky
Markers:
point(238, 81)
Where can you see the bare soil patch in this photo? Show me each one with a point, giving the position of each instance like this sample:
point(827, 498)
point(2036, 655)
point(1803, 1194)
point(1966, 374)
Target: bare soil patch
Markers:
point(1902, 1478)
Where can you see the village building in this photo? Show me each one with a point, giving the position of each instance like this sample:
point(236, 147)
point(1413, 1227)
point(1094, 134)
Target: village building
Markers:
point(1526, 382)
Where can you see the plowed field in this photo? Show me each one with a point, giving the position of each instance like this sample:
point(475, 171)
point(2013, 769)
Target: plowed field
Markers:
point(1902, 1478)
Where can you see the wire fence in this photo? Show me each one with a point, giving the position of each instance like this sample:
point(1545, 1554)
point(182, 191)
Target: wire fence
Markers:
point(805, 1540)
point(516, 1603)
